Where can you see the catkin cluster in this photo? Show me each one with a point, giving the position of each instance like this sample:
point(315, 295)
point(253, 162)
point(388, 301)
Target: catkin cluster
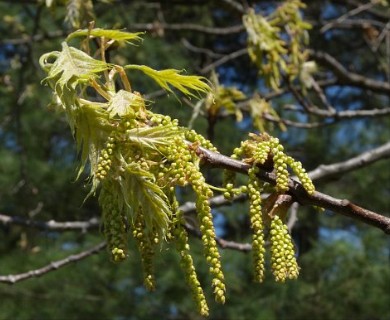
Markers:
point(283, 262)
point(158, 166)
point(114, 223)
point(261, 149)
point(184, 169)
point(161, 167)
point(266, 151)
point(105, 159)
point(180, 237)
point(146, 248)
point(256, 220)
point(193, 136)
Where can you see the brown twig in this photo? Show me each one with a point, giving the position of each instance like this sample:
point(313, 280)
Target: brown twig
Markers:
point(224, 59)
point(13, 278)
point(222, 243)
point(93, 223)
point(235, 5)
point(350, 13)
point(187, 27)
point(350, 78)
point(331, 170)
point(341, 206)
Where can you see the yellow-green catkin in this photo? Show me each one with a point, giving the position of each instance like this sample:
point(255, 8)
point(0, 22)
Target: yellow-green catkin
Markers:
point(283, 261)
point(228, 183)
point(146, 245)
point(302, 175)
point(114, 224)
point(180, 164)
point(105, 159)
point(184, 170)
point(192, 136)
point(181, 242)
point(261, 152)
point(280, 165)
point(205, 218)
point(254, 193)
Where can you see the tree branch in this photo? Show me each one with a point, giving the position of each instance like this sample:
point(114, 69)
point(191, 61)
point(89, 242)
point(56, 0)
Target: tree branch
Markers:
point(331, 170)
point(55, 265)
point(234, 4)
point(224, 244)
point(350, 78)
point(349, 14)
point(93, 223)
point(341, 206)
point(224, 59)
point(186, 27)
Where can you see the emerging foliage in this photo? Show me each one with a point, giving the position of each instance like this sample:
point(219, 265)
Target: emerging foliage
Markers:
point(138, 158)
point(276, 43)
point(172, 77)
point(116, 35)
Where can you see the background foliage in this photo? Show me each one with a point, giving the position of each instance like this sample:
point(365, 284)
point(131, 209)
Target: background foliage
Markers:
point(345, 265)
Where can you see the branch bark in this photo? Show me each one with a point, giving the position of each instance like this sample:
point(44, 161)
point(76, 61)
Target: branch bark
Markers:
point(329, 171)
point(341, 206)
point(13, 278)
point(350, 78)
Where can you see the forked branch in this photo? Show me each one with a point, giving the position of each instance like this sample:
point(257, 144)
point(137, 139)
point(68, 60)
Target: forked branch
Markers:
point(341, 206)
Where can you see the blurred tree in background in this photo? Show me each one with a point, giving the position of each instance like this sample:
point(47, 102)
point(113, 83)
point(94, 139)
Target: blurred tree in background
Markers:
point(334, 111)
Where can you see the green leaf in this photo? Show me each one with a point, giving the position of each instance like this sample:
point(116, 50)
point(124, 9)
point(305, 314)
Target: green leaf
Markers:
point(223, 97)
point(172, 77)
point(260, 107)
point(71, 67)
point(151, 137)
point(125, 103)
point(139, 190)
point(117, 35)
point(91, 131)
point(78, 11)
point(226, 98)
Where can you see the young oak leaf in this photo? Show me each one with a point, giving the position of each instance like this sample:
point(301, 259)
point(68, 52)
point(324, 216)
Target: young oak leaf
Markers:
point(172, 77)
point(223, 97)
point(151, 137)
point(140, 190)
point(125, 103)
point(91, 129)
point(116, 35)
point(70, 67)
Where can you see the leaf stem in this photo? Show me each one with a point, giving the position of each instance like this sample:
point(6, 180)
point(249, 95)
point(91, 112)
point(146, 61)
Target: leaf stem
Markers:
point(100, 90)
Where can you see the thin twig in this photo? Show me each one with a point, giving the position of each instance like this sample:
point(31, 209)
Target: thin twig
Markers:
point(195, 49)
point(93, 223)
point(362, 160)
point(55, 265)
point(224, 59)
point(293, 216)
point(234, 4)
point(224, 244)
point(350, 13)
point(187, 27)
point(350, 78)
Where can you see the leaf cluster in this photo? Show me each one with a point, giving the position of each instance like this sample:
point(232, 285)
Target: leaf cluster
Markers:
point(276, 43)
